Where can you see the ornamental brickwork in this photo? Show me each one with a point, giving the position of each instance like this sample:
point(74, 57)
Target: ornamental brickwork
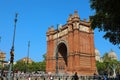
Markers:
point(74, 44)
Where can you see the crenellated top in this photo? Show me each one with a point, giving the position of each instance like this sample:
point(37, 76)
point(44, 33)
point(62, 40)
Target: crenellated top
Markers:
point(73, 23)
point(69, 21)
point(50, 30)
point(76, 17)
point(73, 18)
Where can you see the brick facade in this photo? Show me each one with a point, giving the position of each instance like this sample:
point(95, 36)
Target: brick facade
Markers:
point(74, 44)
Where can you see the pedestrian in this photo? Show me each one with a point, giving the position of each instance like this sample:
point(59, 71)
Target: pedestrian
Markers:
point(95, 76)
point(51, 77)
point(75, 76)
point(36, 78)
point(29, 77)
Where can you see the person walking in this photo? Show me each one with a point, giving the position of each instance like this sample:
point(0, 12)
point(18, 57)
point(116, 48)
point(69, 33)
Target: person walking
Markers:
point(75, 76)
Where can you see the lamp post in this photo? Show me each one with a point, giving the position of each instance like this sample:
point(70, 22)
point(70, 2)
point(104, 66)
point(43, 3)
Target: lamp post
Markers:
point(12, 49)
point(28, 55)
point(57, 62)
point(57, 52)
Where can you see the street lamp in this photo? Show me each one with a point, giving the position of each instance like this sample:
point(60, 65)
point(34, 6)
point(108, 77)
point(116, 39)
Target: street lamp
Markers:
point(57, 52)
point(57, 62)
point(28, 55)
point(12, 49)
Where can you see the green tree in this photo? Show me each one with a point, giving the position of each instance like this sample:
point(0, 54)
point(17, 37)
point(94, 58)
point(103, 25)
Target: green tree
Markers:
point(107, 18)
point(106, 58)
point(43, 66)
point(43, 63)
point(101, 67)
point(108, 65)
point(21, 66)
point(114, 66)
point(44, 57)
point(30, 67)
point(36, 66)
point(0, 66)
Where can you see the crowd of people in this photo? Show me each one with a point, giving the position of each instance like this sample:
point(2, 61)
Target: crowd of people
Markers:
point(37, 76)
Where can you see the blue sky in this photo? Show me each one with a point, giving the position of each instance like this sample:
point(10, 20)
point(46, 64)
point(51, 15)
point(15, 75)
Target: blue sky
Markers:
point(35, 16)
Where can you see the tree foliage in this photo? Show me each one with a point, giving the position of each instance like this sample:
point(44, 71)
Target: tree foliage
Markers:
point(101, 67)
point(106, 58)
point(107, 65)
point(21, 66)
point(44, 57)
point(0, 66)
point(107, 18)
point(30, 67)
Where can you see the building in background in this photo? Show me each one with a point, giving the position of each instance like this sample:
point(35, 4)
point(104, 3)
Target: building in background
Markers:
point(112, 55)
point(2, 58)
point(97, 55)
point(26, 60)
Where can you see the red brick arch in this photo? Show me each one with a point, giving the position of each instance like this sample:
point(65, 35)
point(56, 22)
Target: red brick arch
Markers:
point(75, 44)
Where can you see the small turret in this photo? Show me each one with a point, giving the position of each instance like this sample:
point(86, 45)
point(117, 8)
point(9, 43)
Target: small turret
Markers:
point(85, 20)
point(70, 19)
point(60, 27)
point(50, 30)
point(76, 16)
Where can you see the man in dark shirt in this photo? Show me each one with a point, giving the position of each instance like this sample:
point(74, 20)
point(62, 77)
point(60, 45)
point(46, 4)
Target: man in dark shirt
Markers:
point(75, 76)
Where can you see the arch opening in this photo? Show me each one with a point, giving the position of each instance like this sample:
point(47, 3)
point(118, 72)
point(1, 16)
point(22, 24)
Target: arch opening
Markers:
point(62, 57)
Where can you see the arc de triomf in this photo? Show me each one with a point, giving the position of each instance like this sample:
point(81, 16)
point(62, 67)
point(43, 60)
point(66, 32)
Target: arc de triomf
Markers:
point(70, 48)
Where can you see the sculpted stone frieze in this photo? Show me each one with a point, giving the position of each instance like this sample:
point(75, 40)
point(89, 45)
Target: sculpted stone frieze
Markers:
point(83, 28)
point(60, 34)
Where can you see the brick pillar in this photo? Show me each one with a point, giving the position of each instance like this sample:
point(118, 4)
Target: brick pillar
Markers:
point(76, 46)
point(93, 61)
point(47, 56)
point(77, 61)
point(70, 47)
